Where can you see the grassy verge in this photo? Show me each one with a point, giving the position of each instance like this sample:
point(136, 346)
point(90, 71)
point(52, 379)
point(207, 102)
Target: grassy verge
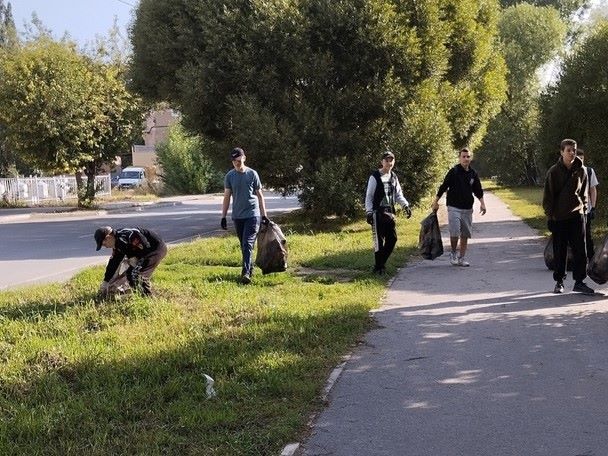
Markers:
point(80, 376)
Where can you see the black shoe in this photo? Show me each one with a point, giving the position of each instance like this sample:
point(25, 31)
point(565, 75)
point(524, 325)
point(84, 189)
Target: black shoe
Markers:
point(378, 270)
point(559, 288)
point(245, 279)
point(582, 287)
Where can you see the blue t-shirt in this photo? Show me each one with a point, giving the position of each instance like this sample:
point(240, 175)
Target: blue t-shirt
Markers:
point(243, 186)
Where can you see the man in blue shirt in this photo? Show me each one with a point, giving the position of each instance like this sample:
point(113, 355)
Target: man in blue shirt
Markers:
point(243, 185)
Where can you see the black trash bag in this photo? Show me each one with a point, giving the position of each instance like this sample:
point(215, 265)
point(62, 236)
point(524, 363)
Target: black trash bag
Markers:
point(272, 249)
point(429, 241)
point(550, 261)
point(597, 268)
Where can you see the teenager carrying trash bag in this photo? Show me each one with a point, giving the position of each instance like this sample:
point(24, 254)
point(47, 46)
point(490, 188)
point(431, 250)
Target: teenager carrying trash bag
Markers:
point(429, 240)
point(272, 249)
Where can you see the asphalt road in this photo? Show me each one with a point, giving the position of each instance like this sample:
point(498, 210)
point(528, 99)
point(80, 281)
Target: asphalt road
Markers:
point(478, 361)
point(52, 247)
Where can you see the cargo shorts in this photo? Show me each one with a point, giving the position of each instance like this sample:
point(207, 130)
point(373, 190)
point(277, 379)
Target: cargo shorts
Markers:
point(460, 222)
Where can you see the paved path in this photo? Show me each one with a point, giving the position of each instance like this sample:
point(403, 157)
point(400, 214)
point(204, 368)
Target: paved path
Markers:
point(476, 361)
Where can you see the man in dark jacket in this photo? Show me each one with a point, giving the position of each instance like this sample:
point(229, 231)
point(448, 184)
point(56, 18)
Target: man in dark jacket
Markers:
point(461, 183)
point(144, 248)
point(565, 205)
point(383, 191)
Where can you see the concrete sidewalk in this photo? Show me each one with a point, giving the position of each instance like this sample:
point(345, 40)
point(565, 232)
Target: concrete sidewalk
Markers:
point(484, 360)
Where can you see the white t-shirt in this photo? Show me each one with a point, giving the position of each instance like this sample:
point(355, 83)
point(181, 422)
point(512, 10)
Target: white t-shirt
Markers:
point(591, 182)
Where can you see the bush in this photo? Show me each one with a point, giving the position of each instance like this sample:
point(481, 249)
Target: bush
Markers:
point(186, 169)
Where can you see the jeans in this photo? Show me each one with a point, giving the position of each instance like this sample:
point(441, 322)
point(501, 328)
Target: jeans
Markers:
point(247, 231)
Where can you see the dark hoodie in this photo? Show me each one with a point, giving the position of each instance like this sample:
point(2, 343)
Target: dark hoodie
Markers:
point(564, 195)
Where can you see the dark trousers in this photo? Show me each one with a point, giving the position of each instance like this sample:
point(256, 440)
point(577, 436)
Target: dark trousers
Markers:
point(385, 237)
point(139, 276)
point(247, 231)
point(589, 239)
point(569, 232)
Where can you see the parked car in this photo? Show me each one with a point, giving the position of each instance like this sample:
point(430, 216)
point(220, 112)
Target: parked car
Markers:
point(131, 177)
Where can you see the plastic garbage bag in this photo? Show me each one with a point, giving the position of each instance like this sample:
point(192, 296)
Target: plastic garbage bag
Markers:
point(118, 284)
point(272, 249)
point(550, 261)
point(429, 241)
point(597, 268)
point(209, 390)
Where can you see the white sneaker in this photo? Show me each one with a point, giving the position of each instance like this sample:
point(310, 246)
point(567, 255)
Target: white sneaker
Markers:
point(453, 259)
point(462, 263)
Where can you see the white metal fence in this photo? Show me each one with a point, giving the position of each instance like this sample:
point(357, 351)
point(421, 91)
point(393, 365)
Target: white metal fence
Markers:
point(39, 189)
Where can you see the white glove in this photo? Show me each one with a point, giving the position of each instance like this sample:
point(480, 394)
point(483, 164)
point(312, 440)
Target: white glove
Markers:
point(103, 288)
point(133, 261)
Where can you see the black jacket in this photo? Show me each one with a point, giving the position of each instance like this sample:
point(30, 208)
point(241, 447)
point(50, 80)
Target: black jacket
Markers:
point(461, 185)
point(564, 196)
point(131, 242)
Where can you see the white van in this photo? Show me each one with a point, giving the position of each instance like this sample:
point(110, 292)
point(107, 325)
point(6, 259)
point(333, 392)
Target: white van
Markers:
point(131, 177)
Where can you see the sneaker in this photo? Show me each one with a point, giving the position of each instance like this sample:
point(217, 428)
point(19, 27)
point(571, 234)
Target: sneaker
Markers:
point(463, 263)
point(559, 288)
point(453, 259)
point(245, 279)
point(582, 287)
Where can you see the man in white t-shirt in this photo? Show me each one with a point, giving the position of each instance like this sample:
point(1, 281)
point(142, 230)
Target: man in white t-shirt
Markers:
point(591, 200)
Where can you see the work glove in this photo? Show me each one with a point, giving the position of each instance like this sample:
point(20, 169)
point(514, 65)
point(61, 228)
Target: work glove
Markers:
point(591, 214)
point(408, 212)
point(103, 288)
point(265, 220)
point(550, 225)
point(133, 261)
point(370, 218)
point(224, 223)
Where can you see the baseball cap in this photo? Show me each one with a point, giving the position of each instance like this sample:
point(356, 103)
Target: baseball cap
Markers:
point(100, 235)
point(387, 154)
point(236, 153)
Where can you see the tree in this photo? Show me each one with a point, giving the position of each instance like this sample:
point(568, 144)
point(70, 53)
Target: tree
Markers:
point(565, 7)
point(575, 107)
point(186, 168)
point(531, 36)
point(65, 112)
point(305, 87)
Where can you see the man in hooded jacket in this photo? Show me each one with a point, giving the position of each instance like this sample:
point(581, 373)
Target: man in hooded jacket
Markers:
point(565, 205)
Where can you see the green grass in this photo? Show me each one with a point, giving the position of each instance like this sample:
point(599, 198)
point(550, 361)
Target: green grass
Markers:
point(83, 376)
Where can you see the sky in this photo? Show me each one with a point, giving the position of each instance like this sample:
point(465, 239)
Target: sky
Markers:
point(82, 19)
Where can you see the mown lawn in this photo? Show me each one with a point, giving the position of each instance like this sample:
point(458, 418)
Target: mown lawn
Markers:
point(83, 376)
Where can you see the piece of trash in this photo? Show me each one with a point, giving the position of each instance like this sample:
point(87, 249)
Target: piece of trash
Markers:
point(210, 391)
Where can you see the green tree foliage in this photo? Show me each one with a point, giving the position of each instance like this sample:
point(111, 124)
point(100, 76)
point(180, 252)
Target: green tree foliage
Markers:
point(307, 86)
point(565, 7)
point(186, 169)
point(531, 36)
point(8, 40)
point(575, 107)
point(63, 111)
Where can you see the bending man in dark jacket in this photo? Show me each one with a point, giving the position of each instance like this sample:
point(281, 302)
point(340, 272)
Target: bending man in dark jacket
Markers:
point(565, 205)
point(461, 183)
point(143, 246)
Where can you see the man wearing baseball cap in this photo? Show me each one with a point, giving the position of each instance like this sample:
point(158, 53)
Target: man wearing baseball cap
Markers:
point(144, 248)
point(243, 185)
point(383, 191)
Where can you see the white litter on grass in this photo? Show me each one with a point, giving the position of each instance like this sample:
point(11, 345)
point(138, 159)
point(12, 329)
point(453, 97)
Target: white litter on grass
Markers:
point(210, 391)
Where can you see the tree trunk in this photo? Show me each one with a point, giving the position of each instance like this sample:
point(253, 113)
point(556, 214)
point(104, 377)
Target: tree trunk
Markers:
point(86, 192)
